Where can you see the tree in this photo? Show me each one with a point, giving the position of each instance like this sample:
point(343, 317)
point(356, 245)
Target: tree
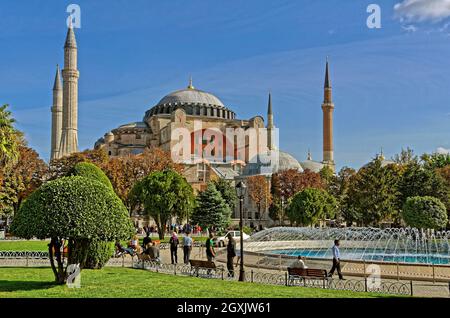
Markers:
point(75, 209)
point(289, 182)
point(309, 206)
point(227, 191)
point(211, 209)
point(62, 167)
point(259, 192)
point(91, 171)
point(9, 138)
point(338, 187)
point(436, 160)
point(417, 180)
point(98, 251)
point(21, 179)
point(124, 172)
point(164, 194)
point(372, 195)
point(405, 157)
point(425, 212)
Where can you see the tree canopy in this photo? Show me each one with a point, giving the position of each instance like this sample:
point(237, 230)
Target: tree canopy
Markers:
point(211, 209)
point(309, 206)
point(425, 212)
point(91, 171)
point(164, 194)
point(76, 209)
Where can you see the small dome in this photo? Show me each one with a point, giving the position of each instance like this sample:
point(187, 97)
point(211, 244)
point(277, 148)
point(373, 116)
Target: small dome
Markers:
point(313, 166)
point(288, 162)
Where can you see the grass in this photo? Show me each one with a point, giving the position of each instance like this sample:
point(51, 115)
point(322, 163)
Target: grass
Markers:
point(134, 283)
point(36, 245)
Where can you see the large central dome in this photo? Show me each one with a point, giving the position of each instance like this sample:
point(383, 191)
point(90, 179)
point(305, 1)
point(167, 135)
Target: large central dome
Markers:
point(191, 96)
point(194, 102)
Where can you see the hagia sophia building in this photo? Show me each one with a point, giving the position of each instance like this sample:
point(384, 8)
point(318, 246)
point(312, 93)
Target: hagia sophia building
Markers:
point(181, 109)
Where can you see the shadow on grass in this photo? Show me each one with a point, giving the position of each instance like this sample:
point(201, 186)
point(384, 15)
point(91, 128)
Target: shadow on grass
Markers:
point(14, 285)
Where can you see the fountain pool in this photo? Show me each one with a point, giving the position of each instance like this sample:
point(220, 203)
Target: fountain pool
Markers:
point(399, 245)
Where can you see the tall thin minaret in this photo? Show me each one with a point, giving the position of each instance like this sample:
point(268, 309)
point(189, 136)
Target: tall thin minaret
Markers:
point(270, 126)
point(69, 139)
point(57, 109)
point(328, 108)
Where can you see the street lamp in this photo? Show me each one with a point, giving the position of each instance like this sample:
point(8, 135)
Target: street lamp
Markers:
point(282, 210)
point(241, 189)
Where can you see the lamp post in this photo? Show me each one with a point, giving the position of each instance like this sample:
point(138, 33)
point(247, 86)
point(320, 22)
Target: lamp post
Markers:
point(282, 210)
point(241, 189)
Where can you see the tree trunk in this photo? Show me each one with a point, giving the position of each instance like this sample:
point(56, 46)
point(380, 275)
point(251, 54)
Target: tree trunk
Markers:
point(60, 274)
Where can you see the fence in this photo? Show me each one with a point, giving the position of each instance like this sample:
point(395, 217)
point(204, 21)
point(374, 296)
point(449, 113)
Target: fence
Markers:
point(404, 288)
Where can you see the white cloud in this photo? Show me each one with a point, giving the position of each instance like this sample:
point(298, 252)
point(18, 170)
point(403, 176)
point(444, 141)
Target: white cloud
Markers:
point(442, 150)
point(409, 28)
point(422, 10)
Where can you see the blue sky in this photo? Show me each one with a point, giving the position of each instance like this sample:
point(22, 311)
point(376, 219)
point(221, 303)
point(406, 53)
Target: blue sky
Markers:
point(390, 85)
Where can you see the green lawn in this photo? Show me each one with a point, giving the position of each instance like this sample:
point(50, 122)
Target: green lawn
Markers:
point(34, 245)
point(24, 245)
point(134, 283)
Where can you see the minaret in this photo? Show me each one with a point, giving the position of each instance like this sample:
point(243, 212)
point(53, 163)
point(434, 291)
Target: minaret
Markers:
point(270, 126)
point(328, 108)
point(69, 139)
point(57, 109)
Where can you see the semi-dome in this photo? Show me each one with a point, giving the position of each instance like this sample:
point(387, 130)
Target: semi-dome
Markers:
point(194, 102)
point(288, 162)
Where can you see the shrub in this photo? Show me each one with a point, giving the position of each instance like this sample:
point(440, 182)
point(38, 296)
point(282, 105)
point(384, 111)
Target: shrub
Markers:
point(91, 171)
point(98, 252)
point(425, 212)
point(76, 209)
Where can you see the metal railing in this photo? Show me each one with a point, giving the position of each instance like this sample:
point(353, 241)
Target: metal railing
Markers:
point(404, 288)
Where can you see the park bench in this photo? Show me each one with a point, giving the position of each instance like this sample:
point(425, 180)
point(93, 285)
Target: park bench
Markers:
point(301, 274)
point(197, 265)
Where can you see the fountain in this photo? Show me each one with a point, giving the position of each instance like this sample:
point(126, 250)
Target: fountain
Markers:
point(392, 245)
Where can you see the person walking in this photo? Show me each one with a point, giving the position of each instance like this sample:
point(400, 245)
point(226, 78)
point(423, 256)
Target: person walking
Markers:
point(231, 253)
point(187, 247)
point(210, 253)
point(174, 247)
point(336, 260)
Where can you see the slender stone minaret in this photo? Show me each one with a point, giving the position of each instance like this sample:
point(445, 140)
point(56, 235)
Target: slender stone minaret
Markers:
point(270, 126)
point(57, 109)
point(328, 108)
point(69, 138)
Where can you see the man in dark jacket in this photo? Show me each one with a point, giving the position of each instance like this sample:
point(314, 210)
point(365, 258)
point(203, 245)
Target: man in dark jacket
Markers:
point(231, 253)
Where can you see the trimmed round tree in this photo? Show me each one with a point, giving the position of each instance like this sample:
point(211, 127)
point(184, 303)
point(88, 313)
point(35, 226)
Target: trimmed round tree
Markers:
point(91, 171)
point(309, 206)
point(99, 252)
point(425, 213)
point(75, 209)
point(164, 194)
point(211, 209)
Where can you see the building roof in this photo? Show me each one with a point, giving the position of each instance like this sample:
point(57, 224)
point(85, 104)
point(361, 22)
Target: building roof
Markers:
point(194, 102)
point(225, 172)
point(137, 124)
point(312, 165)
point(190, 96)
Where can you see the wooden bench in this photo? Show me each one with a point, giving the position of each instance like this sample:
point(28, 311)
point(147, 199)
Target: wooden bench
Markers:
point(306, 273)
point(196, 265)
